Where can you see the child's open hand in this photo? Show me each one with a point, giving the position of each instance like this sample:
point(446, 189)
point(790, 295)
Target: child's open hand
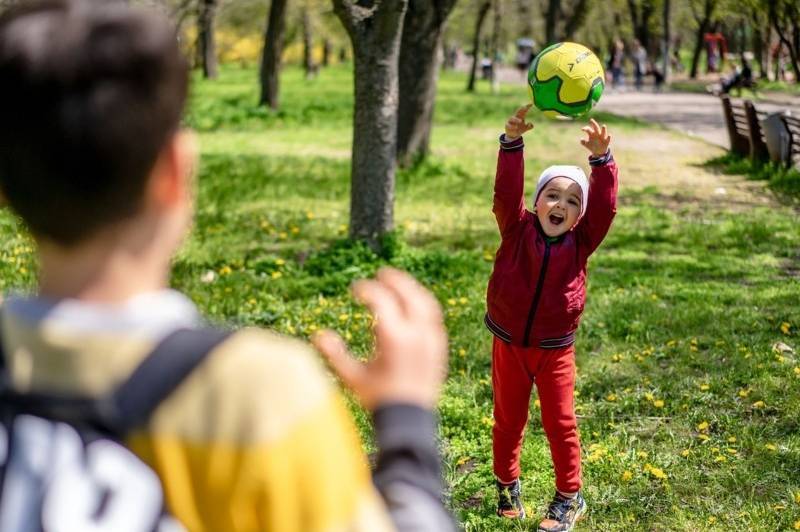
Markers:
point(597, 140)
point(516, 126)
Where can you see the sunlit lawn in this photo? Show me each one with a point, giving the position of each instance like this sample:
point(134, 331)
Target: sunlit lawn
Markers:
point(689, 380)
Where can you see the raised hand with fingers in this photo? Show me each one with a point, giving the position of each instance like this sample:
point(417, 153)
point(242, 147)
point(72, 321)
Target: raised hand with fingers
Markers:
point(597, 139)
point(410, 359)
point(516, 126)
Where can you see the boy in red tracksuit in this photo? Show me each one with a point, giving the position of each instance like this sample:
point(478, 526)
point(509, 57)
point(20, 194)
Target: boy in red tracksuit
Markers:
point(535, 299)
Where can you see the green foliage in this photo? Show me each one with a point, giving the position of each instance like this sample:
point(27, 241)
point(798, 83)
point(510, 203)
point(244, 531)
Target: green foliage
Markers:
point(687, 297)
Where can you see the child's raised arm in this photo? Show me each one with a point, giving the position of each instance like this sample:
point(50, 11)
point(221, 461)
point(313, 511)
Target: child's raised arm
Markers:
point(509, 184)
point(602, 204)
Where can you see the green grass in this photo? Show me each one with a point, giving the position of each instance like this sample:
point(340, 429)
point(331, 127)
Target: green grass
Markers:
point(784, 181)
point(687, 298)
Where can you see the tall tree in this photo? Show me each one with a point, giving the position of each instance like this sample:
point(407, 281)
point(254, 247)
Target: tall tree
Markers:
point(785, 18)
point(308, 43)
point(420, 44)
point(483, 9)
point(375, 27)
point(271, 56)
point(208, 47)
point(703, 24)
point(641, 13)
point(558, 28)
point(666, 44)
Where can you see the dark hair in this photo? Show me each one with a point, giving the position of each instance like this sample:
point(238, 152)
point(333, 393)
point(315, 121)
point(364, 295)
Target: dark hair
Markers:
point(90, 92)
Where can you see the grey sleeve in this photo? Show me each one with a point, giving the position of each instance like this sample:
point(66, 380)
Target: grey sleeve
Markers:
point(408, 472)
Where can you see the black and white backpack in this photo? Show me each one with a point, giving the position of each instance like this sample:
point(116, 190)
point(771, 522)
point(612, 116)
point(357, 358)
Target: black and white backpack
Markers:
point(63, 463)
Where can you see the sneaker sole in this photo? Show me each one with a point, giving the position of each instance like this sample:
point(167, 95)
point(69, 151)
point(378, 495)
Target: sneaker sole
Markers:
point(579, 517)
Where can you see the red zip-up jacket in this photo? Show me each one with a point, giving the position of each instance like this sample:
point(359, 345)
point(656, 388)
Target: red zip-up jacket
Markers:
point(537, 289)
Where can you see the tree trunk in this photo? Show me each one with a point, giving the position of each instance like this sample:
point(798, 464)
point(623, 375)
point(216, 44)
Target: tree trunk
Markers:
point(326, 52)
point(271, 57)
point(793, 47)
point(702, 28)
point(308, 60)
point(375, 31)
point(419, 72)
point(208, 49)
point(476, 43)
point(551, 18)
point(640, 18)
point(576, 20)
point(666, 47)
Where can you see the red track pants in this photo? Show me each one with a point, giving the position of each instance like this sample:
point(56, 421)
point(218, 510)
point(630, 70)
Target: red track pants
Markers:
point(514, 371)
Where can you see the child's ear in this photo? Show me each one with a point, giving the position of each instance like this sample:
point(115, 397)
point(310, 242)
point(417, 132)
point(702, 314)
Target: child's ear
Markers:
point(172, 175)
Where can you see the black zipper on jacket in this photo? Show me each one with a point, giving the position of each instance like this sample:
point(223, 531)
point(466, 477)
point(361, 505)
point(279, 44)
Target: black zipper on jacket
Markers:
point(536, 295)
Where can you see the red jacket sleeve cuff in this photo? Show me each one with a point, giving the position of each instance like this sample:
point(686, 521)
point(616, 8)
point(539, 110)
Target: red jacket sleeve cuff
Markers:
point(511, 145)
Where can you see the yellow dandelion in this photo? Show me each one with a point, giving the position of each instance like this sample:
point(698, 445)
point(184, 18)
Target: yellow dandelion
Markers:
point(704, 387)
point(642, 455)
point(732, 439)
point(312, 327)
point(702, 426)
point(251, 301)
point(276, 275)
point(744, 392)
point(797, 371)
point(463, 460)
point(626, 476)
point(537, 403)
point(343, 317)
point(280, 262)
point(611, 397)
point(348, 335)
point(785, 326)
point(309, 215)
point(486, 420)
point(712, 520)
point(657, 472)
point(487, 256)
point(638, 357)
point(797, 525)
point(462, 352)
point(703, 437)
point(23, 270)
point(225, 270)
point(451, 302)
point(658, 403)
point(463, 300)
point(672, 343)
point(732, 451)
point(797, 497)
point(720, 458)
point(685, 452)
point(295, 230)
point(282, 235)
point(714, 450)
point(577, 393)
point(759, 404)
point(616, 357)
point(770, 447)
point(649, 396)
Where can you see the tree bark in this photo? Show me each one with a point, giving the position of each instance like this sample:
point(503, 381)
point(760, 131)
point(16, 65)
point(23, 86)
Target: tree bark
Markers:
point(326, 52)
point(271, 56)
point(667, 43)
point(702, 28)
point(793, 44)
point(419, 72)
point(308, 60)
point(640, 17)
point(476, 43)
point(551, 17)
point(208, 48)
point(576, 20)
point(375, 28)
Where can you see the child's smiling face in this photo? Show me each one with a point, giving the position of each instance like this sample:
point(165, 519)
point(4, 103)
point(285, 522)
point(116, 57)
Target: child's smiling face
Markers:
point(559, 206)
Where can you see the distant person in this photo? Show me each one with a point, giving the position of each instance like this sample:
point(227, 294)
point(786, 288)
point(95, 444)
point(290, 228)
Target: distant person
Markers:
point(616, 64)
point(742, 77)
point(106, 369)
point(535, 299)
point(658, 76)
point(639, 57)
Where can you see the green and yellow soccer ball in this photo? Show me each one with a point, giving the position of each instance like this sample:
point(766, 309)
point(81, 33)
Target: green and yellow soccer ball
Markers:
point(566, 80)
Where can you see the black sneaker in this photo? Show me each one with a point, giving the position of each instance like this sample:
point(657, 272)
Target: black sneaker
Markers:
point(563, 513)
point(509, 504)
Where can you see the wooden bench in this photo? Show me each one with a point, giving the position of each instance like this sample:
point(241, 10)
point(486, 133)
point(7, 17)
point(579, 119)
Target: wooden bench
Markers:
point(744, 128)
point(793, 126)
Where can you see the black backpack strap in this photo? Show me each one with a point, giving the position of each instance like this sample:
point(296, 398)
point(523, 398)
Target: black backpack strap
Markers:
point(131, 404)
point(175, 357)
